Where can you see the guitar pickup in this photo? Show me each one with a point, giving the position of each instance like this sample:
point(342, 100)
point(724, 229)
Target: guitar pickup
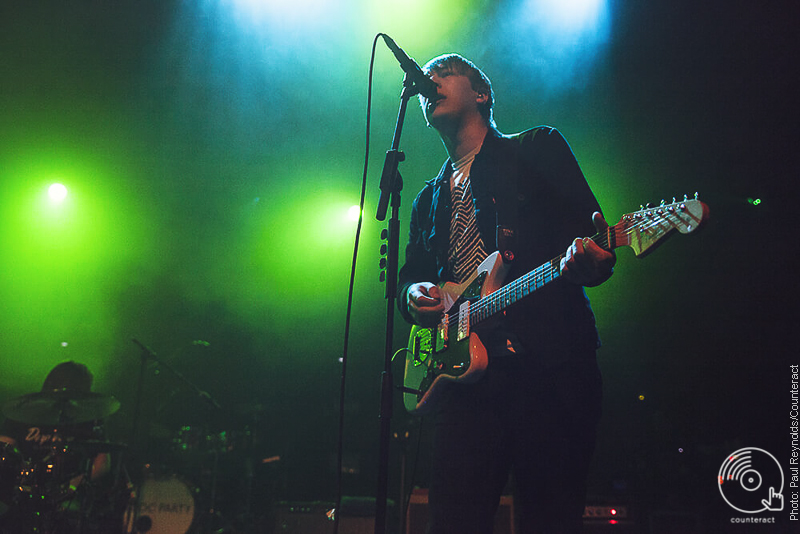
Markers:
point(442, 334)
point(463, 321)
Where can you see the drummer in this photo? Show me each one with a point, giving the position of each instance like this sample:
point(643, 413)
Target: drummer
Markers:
point(45, 430)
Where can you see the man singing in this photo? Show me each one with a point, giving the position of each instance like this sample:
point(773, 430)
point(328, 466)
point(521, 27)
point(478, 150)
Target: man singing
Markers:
point(533, 413)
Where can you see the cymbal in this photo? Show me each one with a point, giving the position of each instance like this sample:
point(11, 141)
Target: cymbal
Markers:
point(60, 407)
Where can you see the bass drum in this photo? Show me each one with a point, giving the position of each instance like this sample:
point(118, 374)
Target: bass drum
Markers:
point(166, 505)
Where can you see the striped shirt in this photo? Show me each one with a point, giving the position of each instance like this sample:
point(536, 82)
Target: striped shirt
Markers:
point(467, 250)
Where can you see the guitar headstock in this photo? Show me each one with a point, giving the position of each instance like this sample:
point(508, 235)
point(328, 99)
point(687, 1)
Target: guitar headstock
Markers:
point(644, 229)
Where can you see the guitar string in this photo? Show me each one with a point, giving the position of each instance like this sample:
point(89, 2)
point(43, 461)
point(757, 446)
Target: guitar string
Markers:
point(546, 273)
point(540, 276)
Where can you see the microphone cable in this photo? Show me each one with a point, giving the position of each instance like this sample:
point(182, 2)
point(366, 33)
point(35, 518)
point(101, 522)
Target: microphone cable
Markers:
point(345, 346)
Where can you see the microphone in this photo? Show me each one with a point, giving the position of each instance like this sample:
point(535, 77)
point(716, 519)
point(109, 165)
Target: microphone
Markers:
point(423, 83)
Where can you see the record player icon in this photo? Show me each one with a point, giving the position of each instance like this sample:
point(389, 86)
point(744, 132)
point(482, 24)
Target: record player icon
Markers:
point(751, 481)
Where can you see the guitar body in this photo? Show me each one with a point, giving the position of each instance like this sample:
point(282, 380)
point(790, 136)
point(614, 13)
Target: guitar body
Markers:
point(450, 351)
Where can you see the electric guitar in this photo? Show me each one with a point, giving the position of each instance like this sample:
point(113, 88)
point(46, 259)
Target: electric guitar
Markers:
point(452, 351)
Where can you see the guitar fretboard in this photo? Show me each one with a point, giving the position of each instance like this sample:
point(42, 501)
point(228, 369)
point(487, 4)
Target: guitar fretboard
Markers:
point(641, 231)
point(525, 285)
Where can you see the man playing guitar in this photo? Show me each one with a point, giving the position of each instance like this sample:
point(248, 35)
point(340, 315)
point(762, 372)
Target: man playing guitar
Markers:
point(534, 410)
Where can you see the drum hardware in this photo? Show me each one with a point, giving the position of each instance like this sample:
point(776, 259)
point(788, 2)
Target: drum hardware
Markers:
point(87, 487)
point(200, 454)
point(152, 490)
point(48, 502)
point(11, 466)
point(198, 440)
point(55, 491)
point(204, 483)
point(199, 464)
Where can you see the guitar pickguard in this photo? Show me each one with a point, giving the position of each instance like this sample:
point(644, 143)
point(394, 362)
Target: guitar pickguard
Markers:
point(431, 358)
point(448, 351)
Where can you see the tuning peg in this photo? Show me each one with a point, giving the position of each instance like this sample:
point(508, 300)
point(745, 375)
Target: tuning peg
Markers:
point(685, 198)
point(673, 200)
point(663, 202)
point(696, 195)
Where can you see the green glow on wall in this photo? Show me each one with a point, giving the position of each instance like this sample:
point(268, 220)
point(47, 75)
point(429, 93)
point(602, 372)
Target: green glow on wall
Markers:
point(68, 257)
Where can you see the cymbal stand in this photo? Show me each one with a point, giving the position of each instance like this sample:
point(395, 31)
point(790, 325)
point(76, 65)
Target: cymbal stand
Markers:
point(211, 508)
point(148, 354)
point(250, 441)
point(85, 492)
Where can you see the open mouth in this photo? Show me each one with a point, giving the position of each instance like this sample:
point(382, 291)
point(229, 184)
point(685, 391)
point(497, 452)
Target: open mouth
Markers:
point(432, 103)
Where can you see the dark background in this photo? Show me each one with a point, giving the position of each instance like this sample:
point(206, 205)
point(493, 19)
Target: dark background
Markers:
point(210, 164)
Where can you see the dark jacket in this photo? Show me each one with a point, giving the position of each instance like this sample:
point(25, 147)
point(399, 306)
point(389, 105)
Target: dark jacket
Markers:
point(532, 183)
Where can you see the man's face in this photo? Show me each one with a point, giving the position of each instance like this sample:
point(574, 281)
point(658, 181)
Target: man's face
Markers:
point(456, 98)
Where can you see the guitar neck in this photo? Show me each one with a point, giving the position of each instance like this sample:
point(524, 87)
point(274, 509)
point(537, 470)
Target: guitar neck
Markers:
point(525, 285)
point(642, 231)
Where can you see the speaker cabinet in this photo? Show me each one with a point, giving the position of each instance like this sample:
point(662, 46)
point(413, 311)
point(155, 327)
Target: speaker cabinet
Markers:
point(314, 518)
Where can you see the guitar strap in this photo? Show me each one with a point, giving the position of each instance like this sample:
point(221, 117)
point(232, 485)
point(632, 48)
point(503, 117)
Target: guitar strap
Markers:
point(507, 206)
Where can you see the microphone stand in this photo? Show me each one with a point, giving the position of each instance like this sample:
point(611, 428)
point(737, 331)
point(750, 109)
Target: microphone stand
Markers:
point(147, 353)
point(391, 185)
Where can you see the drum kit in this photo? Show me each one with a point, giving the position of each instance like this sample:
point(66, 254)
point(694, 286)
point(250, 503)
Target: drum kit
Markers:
point(185, 486)
point(52, 486)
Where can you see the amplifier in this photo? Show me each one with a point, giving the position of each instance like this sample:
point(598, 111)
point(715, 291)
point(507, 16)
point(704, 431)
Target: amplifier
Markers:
point(314, 518)
point(595, 518)
point(606, 512)
point(417, 518)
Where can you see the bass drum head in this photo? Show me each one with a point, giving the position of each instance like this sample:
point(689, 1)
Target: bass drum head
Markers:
point(166, 505)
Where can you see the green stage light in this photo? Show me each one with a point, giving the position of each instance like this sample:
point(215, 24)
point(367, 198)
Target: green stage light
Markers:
point(57, 193)
point(353, 213)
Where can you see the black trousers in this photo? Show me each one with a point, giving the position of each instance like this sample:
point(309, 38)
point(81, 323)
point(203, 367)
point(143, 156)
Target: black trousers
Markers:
point(538, 424)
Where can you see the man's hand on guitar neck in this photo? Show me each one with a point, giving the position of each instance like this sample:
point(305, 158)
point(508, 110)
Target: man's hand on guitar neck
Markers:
point(585, 263)
point(425, 303)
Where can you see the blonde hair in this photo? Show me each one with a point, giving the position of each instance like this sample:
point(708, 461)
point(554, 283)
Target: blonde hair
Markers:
point(480, 82)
